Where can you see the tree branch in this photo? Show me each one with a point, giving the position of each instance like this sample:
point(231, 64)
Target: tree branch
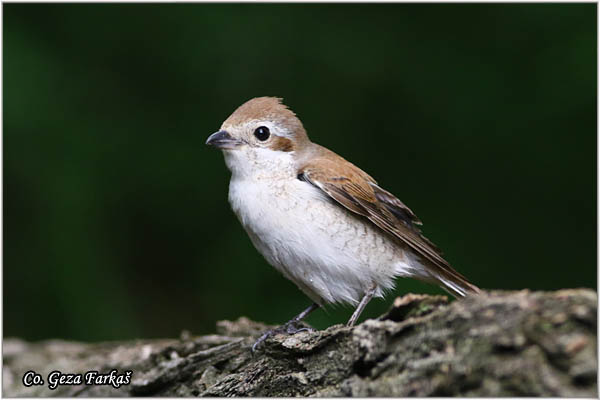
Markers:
point(496, 344)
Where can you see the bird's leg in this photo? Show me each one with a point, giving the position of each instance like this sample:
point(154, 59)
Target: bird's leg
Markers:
point(289, 327)
point(361, 306)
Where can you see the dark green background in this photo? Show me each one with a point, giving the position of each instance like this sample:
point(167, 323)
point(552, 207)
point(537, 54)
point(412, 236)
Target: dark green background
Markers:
point(482, 118)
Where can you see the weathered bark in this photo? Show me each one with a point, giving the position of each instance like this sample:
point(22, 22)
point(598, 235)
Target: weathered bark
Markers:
point(496, 344)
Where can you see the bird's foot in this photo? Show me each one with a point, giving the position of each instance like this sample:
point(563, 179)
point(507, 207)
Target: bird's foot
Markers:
point(290, 328)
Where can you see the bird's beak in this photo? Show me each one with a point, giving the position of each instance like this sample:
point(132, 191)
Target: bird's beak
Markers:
point(223, 140)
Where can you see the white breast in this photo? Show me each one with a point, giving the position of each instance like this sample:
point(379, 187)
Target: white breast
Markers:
point(332, 255)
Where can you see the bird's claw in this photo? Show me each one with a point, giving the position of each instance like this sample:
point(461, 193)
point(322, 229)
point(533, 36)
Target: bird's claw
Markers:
point(290, 328)
point(261, 339)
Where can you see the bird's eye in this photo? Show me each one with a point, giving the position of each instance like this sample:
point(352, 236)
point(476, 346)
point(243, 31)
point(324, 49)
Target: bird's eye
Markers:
point(262, 133)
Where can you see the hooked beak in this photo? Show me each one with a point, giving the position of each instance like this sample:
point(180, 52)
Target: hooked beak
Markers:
point(223, 140)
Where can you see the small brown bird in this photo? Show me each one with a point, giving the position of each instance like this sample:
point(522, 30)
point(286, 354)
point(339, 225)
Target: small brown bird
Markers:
point(321, 221)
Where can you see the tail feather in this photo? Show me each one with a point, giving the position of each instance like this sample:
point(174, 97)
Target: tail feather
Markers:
point(456, 284)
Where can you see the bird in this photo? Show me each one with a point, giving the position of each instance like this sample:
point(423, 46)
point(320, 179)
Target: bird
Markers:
point(322, 222)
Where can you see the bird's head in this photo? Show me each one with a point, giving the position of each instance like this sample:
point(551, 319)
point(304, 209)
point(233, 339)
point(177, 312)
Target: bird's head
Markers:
point(261, 135)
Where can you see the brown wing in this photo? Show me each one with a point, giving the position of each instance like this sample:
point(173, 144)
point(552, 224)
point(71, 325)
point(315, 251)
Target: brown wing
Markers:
point(359, 193)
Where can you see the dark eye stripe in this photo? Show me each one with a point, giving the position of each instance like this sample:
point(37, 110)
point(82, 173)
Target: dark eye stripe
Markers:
point(279, 143)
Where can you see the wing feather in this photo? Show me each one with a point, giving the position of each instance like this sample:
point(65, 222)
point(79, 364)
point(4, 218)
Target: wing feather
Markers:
point(358, 192)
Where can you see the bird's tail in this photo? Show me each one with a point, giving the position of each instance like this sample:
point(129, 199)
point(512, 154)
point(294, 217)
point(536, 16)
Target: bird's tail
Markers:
point(454, 283)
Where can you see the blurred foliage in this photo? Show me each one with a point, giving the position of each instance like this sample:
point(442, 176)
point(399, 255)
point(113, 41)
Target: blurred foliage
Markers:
point(480, 117)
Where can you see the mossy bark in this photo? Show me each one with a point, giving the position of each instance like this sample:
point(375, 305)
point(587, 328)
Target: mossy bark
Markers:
point(495, 344)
